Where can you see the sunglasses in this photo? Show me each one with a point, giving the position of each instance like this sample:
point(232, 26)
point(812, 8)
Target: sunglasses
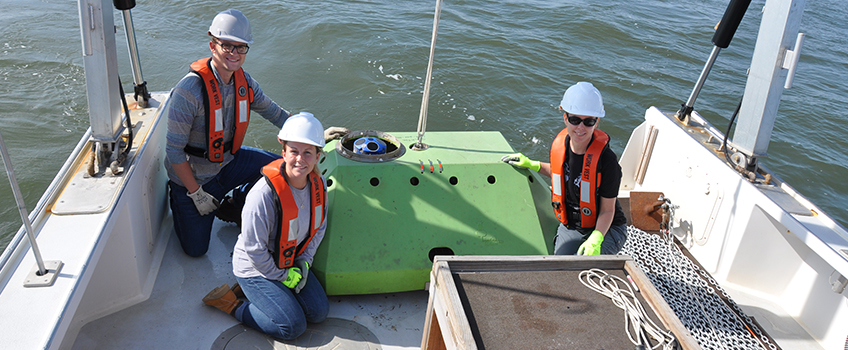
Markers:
point(574, 120)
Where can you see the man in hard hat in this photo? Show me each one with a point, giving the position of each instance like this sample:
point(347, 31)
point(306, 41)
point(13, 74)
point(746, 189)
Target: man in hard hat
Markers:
point(284, 220)
point(208, 114)
point(585, 176)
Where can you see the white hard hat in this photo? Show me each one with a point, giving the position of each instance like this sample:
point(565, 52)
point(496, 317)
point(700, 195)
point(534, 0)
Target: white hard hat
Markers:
point(231, 25)
point(303, 127)
point(583, 99)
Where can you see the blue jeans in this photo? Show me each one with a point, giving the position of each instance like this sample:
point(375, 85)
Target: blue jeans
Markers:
point(568, 241)
point(194, 229)
point(277, 311)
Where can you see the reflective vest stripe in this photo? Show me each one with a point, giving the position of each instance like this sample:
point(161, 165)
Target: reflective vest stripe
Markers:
point(556, 182)
point(590, 178)
point(244, 97)
point(215, 109)
point(219, 120)
point(286, 247)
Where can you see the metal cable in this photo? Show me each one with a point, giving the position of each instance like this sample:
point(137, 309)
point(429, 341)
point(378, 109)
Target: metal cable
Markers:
point(425, 99)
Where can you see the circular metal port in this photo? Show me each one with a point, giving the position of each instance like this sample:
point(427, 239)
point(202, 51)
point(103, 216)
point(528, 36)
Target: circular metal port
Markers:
point(351, 146)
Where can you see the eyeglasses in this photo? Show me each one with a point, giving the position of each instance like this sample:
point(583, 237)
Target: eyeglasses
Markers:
point(241, 49)
point(575, 120)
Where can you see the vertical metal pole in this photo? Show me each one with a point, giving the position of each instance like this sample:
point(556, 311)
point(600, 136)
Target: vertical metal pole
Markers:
point(135, 62)
point(131, 46)
point(21, 206)
point(422, 117)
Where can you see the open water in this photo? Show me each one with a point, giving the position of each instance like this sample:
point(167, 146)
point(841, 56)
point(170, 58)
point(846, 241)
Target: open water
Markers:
point(500, 65)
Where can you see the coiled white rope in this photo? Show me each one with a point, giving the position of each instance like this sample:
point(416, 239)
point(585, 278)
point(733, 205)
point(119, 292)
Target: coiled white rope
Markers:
point(636, 320)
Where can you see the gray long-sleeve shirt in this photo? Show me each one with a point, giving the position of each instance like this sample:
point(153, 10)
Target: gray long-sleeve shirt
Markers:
point(252, 253)
point(187, 123)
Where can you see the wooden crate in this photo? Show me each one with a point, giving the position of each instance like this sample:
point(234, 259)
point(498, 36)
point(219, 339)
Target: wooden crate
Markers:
point(533, 302)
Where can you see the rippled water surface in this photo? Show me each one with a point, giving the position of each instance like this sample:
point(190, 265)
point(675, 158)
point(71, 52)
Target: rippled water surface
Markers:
point(500, 65)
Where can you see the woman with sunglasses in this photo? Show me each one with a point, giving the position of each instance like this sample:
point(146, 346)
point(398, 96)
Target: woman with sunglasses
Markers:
point(585, 176)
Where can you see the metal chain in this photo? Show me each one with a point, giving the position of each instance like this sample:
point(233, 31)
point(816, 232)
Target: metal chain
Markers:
point(694, 295)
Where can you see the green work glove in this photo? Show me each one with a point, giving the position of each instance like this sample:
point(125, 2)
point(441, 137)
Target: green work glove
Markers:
point(293, 277)
point(592, 245)
point(520, 160)
point(304, 267)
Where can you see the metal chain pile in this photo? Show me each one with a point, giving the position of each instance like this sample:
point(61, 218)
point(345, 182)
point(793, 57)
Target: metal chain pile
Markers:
point(694, 295)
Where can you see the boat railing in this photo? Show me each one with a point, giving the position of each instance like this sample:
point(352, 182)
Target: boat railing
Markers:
point(142, 96)
point(19, 200)
point(37, 214)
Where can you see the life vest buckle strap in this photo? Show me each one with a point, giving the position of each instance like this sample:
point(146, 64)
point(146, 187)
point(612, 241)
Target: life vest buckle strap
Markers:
point(288, 252)
point(574, 217)
point(202, 153)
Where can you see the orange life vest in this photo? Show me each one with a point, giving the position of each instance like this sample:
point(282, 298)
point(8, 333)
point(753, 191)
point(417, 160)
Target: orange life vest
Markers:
point(215, 145)
point(286, 247)
point(590, 178)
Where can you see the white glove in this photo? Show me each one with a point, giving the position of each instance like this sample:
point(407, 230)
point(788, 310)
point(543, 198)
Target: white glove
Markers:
point(335, 132)
point(204, 202)
point(304, 268)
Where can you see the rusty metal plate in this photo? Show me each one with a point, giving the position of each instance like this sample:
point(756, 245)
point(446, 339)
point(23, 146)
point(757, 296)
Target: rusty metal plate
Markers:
point(645, 211)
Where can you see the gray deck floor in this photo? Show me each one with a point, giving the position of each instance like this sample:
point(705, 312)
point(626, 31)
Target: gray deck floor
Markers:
point(175, 318)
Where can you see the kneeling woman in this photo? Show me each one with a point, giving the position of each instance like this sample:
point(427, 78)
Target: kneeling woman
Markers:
point(283, 223)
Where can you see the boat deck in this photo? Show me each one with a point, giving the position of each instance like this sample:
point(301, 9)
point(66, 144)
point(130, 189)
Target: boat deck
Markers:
point(784, 329)
point(175, 318)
